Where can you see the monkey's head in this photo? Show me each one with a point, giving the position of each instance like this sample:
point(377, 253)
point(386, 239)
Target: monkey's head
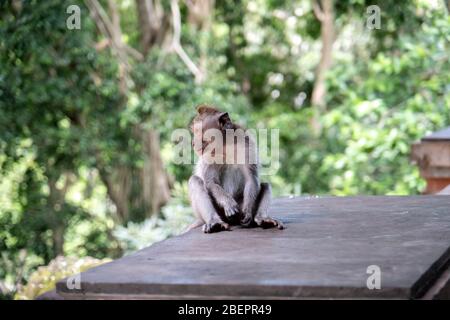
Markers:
point(208, 118)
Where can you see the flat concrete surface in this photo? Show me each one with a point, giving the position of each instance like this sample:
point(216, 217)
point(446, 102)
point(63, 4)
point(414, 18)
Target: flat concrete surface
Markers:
point(324, 252)
point(441, 135)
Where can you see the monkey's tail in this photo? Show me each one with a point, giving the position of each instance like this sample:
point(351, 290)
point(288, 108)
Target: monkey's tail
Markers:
point(197, 223)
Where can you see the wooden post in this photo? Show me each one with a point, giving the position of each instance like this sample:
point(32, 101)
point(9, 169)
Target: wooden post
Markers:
point(432, 155)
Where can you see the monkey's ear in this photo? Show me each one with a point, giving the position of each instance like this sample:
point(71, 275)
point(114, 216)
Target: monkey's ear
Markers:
point(225, 121)
point(202, 109)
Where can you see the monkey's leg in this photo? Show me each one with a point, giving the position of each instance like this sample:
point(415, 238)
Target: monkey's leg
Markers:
point(262, 218)
point(203, 206)
point(250, 194)
point(249, 203)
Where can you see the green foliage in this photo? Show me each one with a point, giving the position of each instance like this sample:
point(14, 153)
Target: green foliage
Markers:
point(376, 108)
point(169, 95)
point(175, 218)
point(62, 113)
point(400, 98)
point(47, 91)
point(45, 277)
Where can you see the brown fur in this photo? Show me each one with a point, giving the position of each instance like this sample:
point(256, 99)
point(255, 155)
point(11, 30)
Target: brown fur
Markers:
point(227, 193)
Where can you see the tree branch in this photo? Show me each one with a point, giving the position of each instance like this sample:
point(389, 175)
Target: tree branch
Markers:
point(318, 12)
point(111, 30)
point(176, 45)
point(326, 16)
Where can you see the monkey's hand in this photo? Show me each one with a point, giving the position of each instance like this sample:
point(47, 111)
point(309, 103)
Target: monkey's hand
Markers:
point(215, 226)
point(231, 208)
point(267, 222)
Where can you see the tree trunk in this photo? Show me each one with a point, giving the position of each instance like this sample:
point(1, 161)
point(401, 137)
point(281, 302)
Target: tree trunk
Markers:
point(56, 201)
point(324, 11)
point(58, 240)
point(200, 13)
point(117, 185)
point(136, 192)
point(200, 16)
point(155, 182)
point(154, 24)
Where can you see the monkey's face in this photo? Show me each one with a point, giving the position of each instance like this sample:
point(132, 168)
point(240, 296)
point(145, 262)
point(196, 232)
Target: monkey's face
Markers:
point(208, 128)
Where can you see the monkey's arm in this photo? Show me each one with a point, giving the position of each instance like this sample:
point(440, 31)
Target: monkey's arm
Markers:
point(203, 207)
point(223, 199)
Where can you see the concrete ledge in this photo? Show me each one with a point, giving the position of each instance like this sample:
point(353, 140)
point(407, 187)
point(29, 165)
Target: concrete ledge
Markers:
point(324, 252)
point(50, 295)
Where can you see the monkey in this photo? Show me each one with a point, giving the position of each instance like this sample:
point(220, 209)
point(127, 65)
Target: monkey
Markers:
point(223, 189)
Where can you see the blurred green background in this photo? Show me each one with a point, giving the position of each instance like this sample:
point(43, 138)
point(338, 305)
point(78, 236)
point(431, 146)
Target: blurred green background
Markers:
point(86, 115)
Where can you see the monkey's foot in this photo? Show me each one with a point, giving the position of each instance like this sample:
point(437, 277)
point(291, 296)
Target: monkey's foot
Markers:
point(215, 226)
point(266, 223)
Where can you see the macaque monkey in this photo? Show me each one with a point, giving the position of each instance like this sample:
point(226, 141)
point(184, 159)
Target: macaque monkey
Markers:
point(225, 189)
